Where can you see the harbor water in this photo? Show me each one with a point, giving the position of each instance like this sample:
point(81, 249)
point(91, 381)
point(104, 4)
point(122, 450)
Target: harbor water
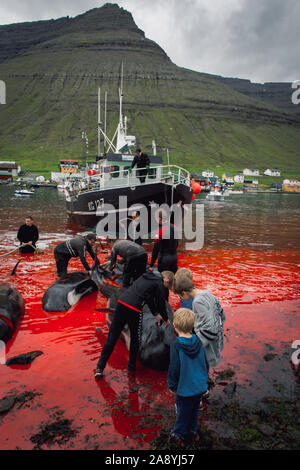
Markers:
point(250, 260)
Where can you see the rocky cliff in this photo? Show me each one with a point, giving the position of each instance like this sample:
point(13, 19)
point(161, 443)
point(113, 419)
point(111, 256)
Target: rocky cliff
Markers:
point(53, 69)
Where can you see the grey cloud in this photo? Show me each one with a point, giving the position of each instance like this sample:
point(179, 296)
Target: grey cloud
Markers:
point(255, 39)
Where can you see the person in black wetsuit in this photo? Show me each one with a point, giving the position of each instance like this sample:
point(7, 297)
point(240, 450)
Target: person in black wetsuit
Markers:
point(28, 235)
point(165, 247)
point(141, 160)
point(147, 289)
point(134, 256)
point(72, 249)
point(136, 227)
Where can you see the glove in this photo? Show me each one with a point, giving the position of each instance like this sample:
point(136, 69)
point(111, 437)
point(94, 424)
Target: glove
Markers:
point(130, 170)
point(147, 167)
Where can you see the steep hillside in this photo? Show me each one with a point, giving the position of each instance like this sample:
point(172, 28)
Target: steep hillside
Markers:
point(52, 85)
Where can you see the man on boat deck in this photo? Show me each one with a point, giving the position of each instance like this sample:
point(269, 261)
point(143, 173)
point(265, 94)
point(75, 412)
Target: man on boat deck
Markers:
point(76, 247)
point(141, 160)
point(135, 258)
point(28, 235)
point(165, 246)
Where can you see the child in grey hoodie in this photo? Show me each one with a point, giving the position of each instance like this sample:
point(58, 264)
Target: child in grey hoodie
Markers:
point(210, 317)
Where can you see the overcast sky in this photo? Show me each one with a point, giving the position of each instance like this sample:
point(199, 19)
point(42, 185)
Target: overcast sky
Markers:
point(254, 39)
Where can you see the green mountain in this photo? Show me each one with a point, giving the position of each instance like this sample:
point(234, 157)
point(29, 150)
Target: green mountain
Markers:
point(52, 70)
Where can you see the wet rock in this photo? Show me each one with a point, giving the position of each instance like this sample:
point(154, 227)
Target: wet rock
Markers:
point(266, 430)
point(225, 374)
point(6, 404)
point(269, 356)
point(230, 389)
point(23, 359)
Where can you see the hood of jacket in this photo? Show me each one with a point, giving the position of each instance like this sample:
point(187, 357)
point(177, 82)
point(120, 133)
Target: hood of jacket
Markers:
point(190, 346)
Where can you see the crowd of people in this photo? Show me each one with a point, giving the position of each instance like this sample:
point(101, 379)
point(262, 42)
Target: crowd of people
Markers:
point(199, 322)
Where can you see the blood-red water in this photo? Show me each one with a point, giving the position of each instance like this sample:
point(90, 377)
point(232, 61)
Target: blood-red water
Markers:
point(260, 293)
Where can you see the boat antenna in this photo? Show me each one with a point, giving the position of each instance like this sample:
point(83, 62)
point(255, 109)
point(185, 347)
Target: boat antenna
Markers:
point(99, 121)
point(121, 97)
point(105, 112)
point(168, 158)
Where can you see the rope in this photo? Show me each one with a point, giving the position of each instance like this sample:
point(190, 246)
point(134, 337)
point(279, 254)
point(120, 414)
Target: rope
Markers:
point(36, 249)
point(5, 254)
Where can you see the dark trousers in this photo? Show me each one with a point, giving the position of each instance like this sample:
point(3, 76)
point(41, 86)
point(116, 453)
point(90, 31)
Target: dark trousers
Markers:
point(122, 315)
point(168, 262)
point(134, 267)
point(142, 175)
point(62, 261)
point(27, 249)
point(187, 412)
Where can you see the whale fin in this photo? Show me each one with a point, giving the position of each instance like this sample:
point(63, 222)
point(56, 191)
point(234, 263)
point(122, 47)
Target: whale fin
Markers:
point(15, 268)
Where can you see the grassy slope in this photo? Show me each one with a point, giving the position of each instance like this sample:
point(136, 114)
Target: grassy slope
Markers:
point(52, 97)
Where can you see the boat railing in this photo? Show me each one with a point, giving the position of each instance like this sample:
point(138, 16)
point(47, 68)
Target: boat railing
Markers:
point(169, 174)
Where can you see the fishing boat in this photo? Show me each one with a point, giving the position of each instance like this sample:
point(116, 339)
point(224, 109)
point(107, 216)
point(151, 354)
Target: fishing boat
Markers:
point(24, 191)
point(215, 194)
point(113, 178)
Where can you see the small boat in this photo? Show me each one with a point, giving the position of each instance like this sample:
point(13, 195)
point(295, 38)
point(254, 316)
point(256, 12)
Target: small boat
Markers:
point(215, 194)
point(23, 191)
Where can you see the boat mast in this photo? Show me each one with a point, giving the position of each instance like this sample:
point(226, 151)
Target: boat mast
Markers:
point(99, 121)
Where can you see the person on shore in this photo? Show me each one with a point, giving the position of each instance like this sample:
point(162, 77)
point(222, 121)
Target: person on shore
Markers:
point(165, 246)
point(210, 317)
point(73, 248)
point(142, 162)
point(134, 256)
point(28, 235)
point(187, 376)
point(148, 289)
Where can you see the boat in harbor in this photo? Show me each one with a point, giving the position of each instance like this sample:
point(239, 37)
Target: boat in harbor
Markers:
point(112, 178)
point(24, 191)
point(215, 194)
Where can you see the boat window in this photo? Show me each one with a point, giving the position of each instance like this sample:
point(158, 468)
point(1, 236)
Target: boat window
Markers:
point(115, 171)
point(125, 171)
point(152, 173)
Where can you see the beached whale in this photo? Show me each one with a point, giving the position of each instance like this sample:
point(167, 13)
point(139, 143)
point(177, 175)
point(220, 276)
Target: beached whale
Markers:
point(12, 307)
point(67, 291)
point(155, 343)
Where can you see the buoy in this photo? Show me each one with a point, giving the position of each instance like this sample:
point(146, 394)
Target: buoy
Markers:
point(196, 188)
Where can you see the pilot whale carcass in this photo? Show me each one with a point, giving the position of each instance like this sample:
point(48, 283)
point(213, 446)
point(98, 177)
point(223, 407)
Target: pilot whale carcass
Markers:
point(12, 307)
point(155, 342)
point(67, 291)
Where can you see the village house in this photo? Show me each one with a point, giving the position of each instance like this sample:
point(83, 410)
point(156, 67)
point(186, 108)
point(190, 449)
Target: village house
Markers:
point(250, 172)
point(239, 178)
point(272, 172)
point(227, 178)
point(208, 173)
point(291, 185)
point(8, 170)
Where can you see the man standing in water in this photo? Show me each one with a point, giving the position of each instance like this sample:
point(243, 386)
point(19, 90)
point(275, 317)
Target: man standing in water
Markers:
point(28, 235)
point(165, 246)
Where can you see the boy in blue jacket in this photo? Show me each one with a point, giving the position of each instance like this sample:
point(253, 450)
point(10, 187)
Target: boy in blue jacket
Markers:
point(187, 377)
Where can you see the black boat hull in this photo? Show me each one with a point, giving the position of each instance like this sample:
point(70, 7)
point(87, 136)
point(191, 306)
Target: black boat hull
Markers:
point(84, 209)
